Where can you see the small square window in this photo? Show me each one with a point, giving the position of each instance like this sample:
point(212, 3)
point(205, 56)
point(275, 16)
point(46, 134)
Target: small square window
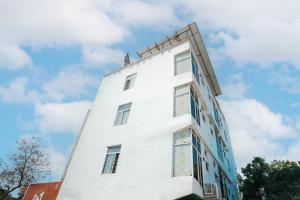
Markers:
point(129, 82)
point(111, 160)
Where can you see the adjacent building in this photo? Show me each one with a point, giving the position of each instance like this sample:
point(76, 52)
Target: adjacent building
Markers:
point(155, 130)
point(41, 191)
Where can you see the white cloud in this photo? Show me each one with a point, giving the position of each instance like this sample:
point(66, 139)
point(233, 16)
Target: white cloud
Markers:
point(256, 131)
point(84, 23)
point(57, 161)
point(252, 31)
point(17, 92)
point(155, 14)
point(293, 152)
point(69, 83)
point(235, 88)
point(61, 117)
point(12, 57)
point(97, 57)
point(286, 80)
point(57, 22)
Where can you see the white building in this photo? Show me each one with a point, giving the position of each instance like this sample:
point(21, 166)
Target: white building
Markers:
point(155, 130)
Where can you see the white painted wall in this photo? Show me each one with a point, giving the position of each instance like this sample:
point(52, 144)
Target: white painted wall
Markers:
point(144, 169)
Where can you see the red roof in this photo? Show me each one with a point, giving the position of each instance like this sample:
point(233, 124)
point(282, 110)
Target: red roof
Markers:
point(41, 191)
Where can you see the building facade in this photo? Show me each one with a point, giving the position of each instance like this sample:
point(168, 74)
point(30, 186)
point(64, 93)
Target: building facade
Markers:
point(155, 130)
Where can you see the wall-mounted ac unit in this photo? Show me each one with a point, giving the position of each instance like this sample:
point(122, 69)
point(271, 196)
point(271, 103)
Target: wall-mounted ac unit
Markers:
point(210, 191)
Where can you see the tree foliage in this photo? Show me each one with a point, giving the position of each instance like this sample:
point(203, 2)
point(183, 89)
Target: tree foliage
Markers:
point(27, 164)
point(275, 181)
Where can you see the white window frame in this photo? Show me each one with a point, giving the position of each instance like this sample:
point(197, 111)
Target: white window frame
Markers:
point(129, 81)
point(177, 95)
point(199, 158)
point(197, 103)
point(113, 167)
point(176, 61)
point(122, 113)
point(190, 149)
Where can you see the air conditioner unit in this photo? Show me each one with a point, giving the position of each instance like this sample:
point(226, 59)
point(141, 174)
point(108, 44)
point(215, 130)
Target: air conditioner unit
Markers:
point(210, 191)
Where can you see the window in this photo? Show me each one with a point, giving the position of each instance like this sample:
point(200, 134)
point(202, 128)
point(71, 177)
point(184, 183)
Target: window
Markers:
point(129, 83)
point(229, 168)
point(181, 100)
point(185, 164)
point(225, 135)
point(122, 114)
point(219, 147)
point(182, 153)
point(111, 160)
point(195, 68)
point(186, 101)
point(182, 62)
point(207, 166)
point(197, 163)
point(195, 106)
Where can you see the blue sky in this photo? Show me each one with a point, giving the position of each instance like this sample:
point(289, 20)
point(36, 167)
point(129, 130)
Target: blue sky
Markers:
point(53, 58)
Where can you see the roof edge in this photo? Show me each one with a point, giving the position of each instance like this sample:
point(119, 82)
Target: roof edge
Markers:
point(191, 32)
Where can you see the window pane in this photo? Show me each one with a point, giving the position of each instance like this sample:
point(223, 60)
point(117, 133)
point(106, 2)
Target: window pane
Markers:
point(108, 163)
point(125, 116)
point(123, 113)
point(195, 166)
point(198, 146)
point(119, 118)
point(183, 66)
point(114, 149)
point(182, 137)
point(132, 76)
point(194, 141)
point(181, 90)
point(200, 170)
point(182, 56)
point(124, 107)
point(114, 167)
point(181, 105)
point(198, 116)
point(129, 83)
point(182, 160)
point(193, 110)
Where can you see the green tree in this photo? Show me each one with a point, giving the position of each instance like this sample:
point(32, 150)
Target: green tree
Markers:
point(279, 180)
point(283, 181)
point(252, 186)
